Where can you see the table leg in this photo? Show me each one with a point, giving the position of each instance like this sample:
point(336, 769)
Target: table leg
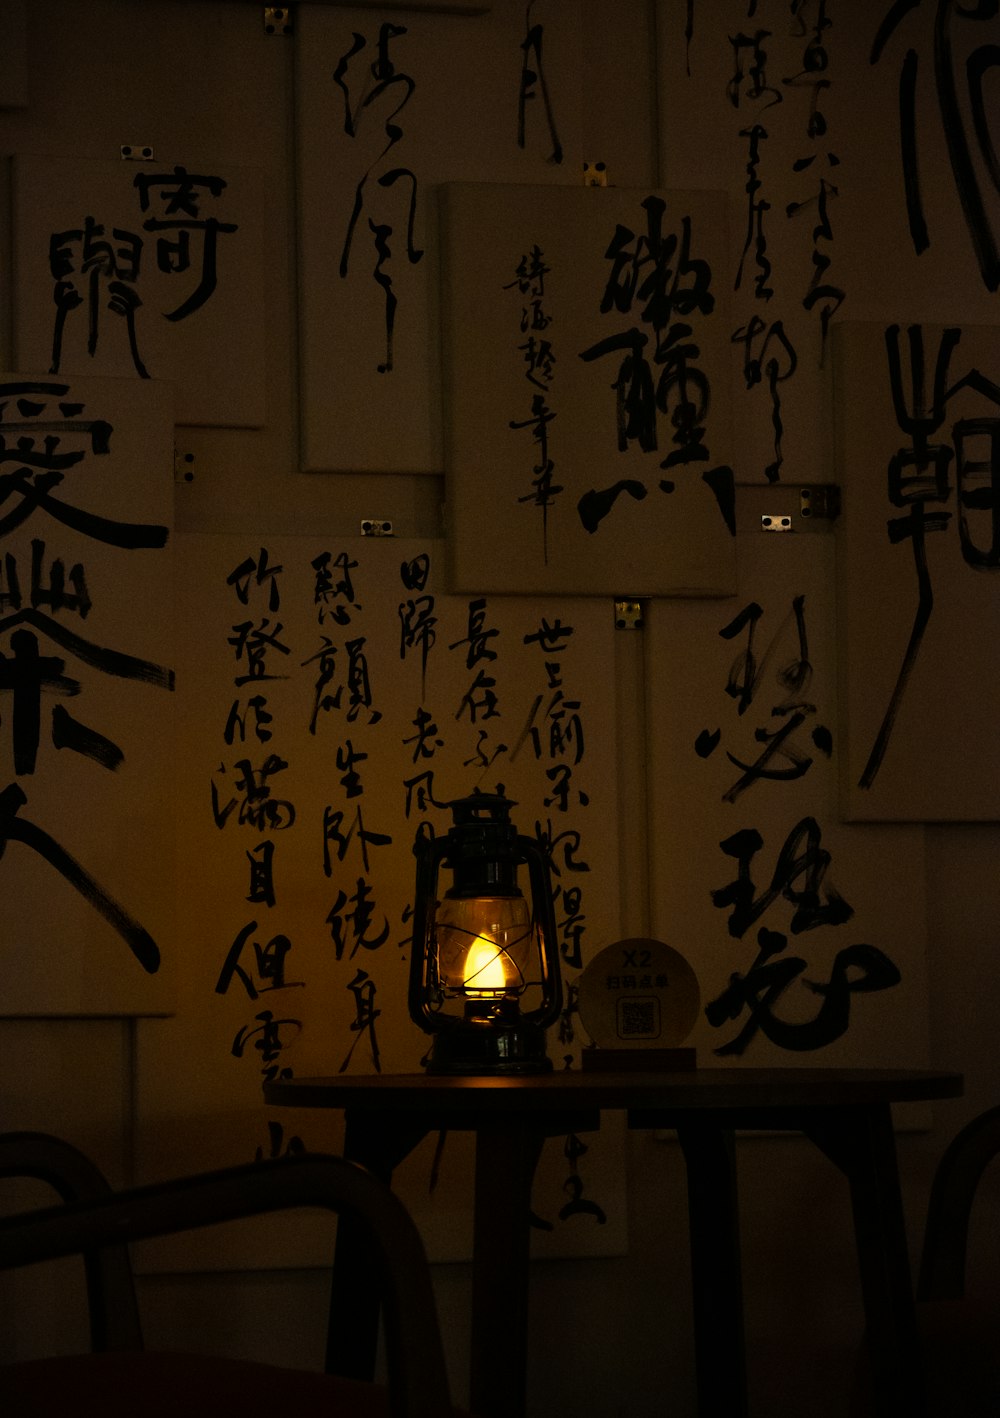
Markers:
point(862, 1143)
point(379, 1142)
point(716, 1279)
point(506, 1157)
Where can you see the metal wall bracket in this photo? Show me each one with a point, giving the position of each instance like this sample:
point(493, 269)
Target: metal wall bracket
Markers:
point(183, 466)
point(628, 615)
point(819, 503)
point(788, 507)
point(595, 174)
point(376, 527)
point(277, 19)
point(771, 523)
point(136, 152)
point(822, 501)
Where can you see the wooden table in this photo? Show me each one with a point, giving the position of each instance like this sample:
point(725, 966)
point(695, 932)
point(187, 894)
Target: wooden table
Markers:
point(845, 1112)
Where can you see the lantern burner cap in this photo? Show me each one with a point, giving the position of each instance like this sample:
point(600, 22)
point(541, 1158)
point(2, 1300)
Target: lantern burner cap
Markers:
point(471, 808)
point(482, 850)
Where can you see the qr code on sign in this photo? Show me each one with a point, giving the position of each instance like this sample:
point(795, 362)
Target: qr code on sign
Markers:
point(638, 1018)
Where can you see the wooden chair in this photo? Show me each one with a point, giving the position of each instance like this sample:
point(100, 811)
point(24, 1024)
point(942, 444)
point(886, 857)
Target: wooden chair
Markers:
point(119, 1379)
point(960, 1335)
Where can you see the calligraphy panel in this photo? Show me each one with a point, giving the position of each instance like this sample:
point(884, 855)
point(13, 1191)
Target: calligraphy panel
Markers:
point(854, 146)
point(587, 378)
point(919, 90)
point(138, 270)
point(758, 111)
point(919, 570)
point(807, 934)
point(386, 110)
point(331, 699)
point(86, 674)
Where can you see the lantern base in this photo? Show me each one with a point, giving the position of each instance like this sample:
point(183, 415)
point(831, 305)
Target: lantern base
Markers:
point(464, 1050)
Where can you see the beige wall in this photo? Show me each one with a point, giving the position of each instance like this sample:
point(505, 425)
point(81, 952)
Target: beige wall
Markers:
point(611, 1336)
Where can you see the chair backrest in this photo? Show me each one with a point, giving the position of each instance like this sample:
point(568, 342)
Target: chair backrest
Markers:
point(95, 1221)
point(946, 1233)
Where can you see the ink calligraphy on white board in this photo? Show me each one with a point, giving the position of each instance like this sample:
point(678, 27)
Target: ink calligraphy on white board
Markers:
point(923, 89)
point(918, 410)
point(807, 934)
point(857, 149)
point(387, 109)
point(333, 699)
point(144, 271)
point(587, 380)
point(86, 634)
point(759, 109)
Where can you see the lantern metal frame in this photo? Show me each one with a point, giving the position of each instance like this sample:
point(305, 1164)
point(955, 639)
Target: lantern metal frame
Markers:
point(494, 1033)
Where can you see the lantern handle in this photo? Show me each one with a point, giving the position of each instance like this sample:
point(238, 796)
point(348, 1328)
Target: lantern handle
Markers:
point(539, 875)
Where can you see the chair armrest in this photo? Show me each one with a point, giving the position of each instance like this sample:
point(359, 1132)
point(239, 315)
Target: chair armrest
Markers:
point(946, 1234)
point(111, 1301)
point(418, 1381)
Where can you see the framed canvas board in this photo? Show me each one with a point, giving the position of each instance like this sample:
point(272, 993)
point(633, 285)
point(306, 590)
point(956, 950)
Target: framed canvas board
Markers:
point(587, 388)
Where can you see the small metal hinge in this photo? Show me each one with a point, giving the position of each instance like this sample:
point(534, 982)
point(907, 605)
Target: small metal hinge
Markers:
point(821, 501)
point(628, 615)
point(136, 152)
point(183, 466)
point(769, 523)
point(595, 174)
point(376, 527)
point(277, 19)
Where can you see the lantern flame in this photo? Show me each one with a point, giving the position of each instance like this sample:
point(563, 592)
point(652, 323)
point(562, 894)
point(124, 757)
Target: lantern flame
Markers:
point(484, 976)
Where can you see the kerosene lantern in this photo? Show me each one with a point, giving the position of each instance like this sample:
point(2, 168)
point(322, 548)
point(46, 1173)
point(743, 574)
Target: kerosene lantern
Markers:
point(484, 973)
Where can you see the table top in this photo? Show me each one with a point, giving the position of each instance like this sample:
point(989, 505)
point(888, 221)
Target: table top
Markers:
point(697, 1089)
